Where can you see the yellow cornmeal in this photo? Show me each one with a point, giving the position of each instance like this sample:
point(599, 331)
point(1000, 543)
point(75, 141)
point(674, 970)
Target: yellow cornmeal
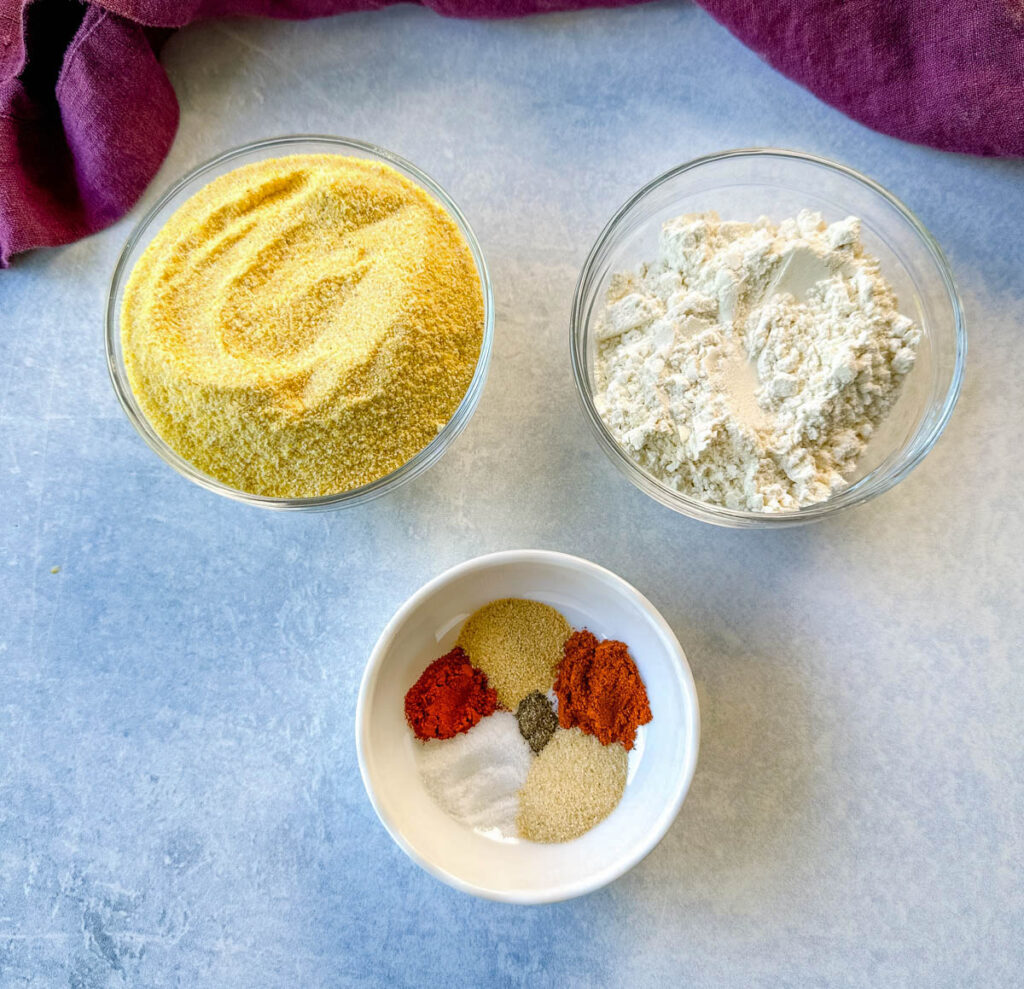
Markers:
point(518, 644)
point(575, 783)
point(303, 325)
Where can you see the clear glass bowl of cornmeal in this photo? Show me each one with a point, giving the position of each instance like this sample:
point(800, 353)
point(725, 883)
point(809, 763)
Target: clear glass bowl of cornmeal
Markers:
point(764, 187)
point(301, 323)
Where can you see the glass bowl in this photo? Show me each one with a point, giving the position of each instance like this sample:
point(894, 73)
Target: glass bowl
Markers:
point(742, 185)
point(191, 183)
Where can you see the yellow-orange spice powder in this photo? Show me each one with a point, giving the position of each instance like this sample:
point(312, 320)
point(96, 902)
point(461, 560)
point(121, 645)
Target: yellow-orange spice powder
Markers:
point(303, 325)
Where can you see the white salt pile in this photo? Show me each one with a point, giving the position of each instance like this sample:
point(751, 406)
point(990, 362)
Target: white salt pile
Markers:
point(476, 776)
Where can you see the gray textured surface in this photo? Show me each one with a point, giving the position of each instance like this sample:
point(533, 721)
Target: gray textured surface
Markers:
point(179, 797)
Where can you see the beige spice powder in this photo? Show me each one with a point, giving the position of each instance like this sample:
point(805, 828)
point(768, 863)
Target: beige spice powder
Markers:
point(518, 644)
point(303, 325)
point(575, 783)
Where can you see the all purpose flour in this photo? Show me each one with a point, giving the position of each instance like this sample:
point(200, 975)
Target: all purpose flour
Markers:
point(749, 365)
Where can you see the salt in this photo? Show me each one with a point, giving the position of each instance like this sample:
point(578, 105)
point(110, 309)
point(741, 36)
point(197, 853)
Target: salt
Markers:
point(475, 777)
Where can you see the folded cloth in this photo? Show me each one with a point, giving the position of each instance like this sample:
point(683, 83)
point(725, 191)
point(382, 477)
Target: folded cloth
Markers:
point(78, 144)
point(87, 114)
point(948, 73)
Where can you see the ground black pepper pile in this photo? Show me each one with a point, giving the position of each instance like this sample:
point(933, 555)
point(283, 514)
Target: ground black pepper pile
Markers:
point(537, 720)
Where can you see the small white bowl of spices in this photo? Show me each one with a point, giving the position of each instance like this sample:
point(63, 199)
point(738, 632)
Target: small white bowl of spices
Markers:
point(527, 727)
point(301, 323)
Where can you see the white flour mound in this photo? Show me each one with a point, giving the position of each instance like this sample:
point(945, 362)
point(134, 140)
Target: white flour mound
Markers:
point(477, 775)
point(749, 365)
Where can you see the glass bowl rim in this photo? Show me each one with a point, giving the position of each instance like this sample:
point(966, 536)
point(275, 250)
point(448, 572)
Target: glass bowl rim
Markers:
point(861, 490)
point(413, 467)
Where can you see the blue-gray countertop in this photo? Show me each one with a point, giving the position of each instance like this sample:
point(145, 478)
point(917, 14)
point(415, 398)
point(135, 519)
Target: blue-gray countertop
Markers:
point(179, 798)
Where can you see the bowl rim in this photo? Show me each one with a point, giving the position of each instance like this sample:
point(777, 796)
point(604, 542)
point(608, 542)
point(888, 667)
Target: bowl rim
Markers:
point(680, 665)
point(413, 467)
point(857, 493)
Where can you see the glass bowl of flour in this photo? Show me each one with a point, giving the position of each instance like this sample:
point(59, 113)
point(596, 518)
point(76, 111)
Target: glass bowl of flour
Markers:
point(763, 337)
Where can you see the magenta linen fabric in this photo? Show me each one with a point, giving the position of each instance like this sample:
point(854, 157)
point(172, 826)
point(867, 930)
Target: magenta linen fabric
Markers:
point(87, 114)
point(949, 73)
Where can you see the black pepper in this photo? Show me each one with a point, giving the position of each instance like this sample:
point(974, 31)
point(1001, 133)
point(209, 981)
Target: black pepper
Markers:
point(537, 720)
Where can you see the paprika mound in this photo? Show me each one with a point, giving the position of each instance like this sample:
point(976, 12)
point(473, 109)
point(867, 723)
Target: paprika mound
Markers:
point(450, 697)
point(599, 690)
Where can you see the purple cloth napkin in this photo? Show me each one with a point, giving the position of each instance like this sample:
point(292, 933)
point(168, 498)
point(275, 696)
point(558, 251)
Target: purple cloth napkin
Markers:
point(87, 114)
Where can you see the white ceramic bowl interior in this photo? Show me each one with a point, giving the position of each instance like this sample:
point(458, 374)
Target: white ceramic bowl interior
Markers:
point(661, 764)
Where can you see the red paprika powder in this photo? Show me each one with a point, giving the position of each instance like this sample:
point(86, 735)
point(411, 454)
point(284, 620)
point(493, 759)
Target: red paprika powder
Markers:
point(450, 697)
point(600, 691)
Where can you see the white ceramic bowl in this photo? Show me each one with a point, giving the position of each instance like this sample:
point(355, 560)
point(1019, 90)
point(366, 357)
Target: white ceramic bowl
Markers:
point(661, 764)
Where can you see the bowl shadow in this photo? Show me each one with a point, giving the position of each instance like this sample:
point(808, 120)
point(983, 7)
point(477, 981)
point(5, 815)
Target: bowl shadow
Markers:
point(746, 818)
